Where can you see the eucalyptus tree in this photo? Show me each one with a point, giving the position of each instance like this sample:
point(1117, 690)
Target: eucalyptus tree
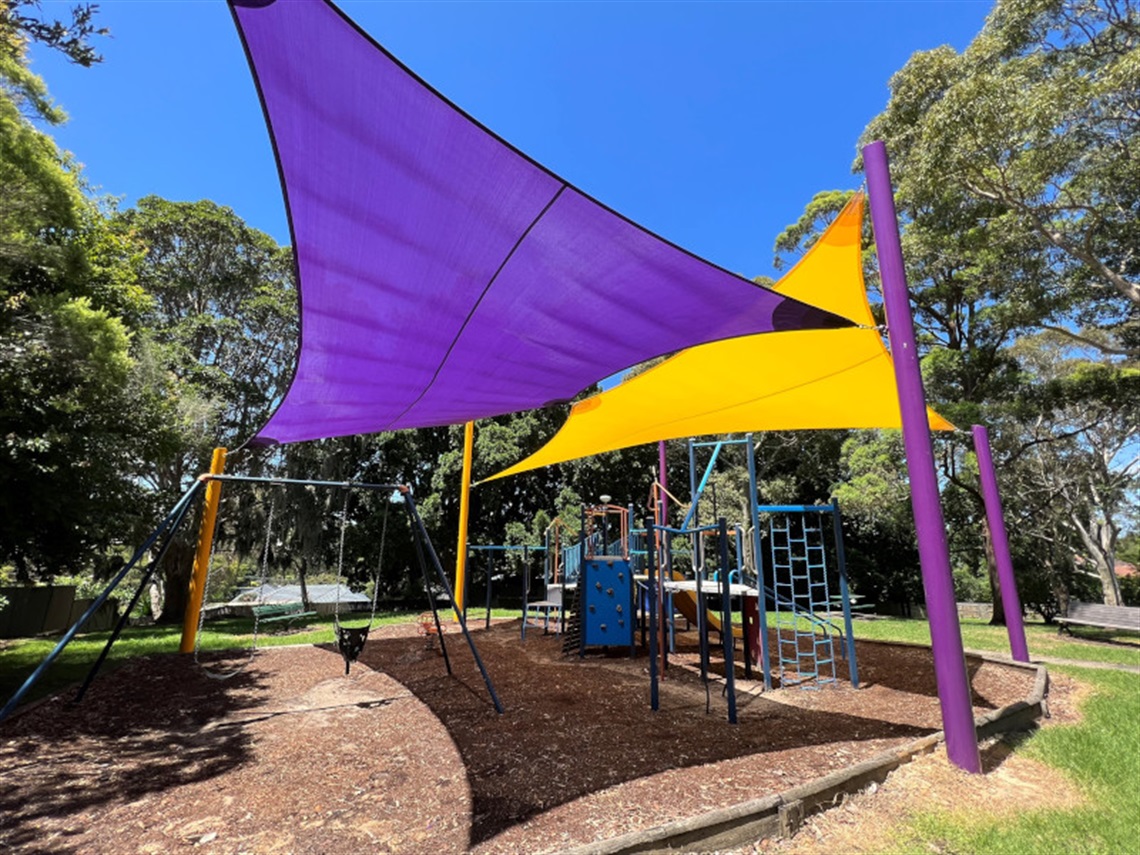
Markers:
point(1080, 448)
point(71, 37)
point(1015, 164)
point(1040, 118)
point(216, 345)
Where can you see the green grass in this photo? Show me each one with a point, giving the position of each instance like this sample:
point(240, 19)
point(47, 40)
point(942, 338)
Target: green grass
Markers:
point(1041, 639)
point(1101, 755)
point(19, 657)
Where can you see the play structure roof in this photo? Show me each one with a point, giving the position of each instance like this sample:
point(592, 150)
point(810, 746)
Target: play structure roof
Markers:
point(443, 275)
point(802, 380)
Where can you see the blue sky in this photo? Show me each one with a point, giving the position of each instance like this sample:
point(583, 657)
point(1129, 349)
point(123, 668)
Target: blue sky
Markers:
point(711, 123)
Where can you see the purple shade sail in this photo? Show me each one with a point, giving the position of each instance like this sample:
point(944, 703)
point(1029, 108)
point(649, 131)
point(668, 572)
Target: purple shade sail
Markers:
point(443, 275)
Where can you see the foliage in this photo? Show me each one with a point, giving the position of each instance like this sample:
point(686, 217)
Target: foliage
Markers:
point(1016, 169)
point(215, 346)
point(66, 373)
point(1035, 125)
point(1013, 162)
point(1130, 590)
point(71, 38)
point(1079, 456)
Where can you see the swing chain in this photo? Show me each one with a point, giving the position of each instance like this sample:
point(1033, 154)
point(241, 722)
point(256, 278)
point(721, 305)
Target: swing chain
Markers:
point(340, 563)
point(264, 573)
point(262, 581)
point(340, 559)
point(379, 565)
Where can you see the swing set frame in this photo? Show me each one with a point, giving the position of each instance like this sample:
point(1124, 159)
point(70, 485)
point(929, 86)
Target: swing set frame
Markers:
point(162, 536)
point(426, 556)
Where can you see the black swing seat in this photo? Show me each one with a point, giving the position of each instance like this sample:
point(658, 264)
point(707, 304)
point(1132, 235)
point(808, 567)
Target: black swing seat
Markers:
point(350, 643)
point(271, 612)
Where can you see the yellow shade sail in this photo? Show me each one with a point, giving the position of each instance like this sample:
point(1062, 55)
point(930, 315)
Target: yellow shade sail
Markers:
point(801, 380)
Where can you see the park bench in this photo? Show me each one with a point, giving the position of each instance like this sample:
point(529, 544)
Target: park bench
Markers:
point(271, 612)
point(1102, 616)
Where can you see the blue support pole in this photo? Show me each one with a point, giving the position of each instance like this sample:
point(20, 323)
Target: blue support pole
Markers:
point(694, 496)
point(699, 489)
point(582, 593)
point(429, 549)
point(761, 585)
point(97, 603)
point(726, 621)
point(162, 550)
point(844, 592)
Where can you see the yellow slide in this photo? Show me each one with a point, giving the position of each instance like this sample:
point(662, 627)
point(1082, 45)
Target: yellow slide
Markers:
point(686, 603)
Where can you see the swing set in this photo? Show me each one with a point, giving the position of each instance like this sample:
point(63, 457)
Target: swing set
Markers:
point(350, 641)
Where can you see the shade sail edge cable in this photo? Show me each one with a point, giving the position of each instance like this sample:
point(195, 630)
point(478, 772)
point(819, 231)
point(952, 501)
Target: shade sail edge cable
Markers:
point(253, 440)
point(324, 86)
point(631, 414)
point(475, 307)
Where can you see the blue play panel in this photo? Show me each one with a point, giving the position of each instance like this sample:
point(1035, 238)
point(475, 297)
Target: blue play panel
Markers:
point(606, 586)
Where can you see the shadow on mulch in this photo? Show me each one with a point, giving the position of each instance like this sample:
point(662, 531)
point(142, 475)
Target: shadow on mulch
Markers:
point(897, 667)
point(156, 745)
point(573, 727)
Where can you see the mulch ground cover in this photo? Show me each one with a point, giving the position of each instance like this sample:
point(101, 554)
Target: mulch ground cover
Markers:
point(290, 755)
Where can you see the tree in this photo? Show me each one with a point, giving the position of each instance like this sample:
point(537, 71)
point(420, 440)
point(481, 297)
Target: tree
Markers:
point(1039, 117)
point(216, 344)
point(67, 293)
point(875, 498)
point(71, 38)
point(1080, 452)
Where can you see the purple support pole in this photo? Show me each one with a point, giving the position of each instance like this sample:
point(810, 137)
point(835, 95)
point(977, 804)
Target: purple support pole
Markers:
point(930, 528)
point(664, 561)
point(1010, 601)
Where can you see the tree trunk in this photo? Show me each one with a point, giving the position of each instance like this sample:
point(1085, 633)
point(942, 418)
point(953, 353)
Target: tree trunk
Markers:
point(157, 597)
point(1109, 583)
point(998, 617)
point(1100, 542)
point(177, 567)
point(302, 573)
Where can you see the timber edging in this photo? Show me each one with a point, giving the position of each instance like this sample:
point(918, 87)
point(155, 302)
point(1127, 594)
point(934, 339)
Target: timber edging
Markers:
point(780, 815)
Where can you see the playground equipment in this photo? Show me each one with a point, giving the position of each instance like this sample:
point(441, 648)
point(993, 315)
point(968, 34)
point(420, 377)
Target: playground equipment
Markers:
point(425, 554)
point(163, 535)
point(656, 585)
point(343, 144)
point(258, 608)
point(802, 597)
point(796, 581)
point(603, 611)
point(350, 640)
point(489, 551)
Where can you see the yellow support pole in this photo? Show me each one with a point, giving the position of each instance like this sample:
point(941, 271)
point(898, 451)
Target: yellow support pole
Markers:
point(202, 555)
point(464, 511)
